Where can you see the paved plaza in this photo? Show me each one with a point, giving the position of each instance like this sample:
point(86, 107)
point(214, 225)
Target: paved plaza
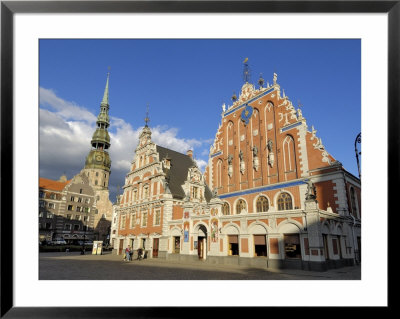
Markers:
point(73, 266)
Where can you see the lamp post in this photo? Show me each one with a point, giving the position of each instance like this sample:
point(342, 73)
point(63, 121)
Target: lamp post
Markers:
point(84, 239)
point(358, 141)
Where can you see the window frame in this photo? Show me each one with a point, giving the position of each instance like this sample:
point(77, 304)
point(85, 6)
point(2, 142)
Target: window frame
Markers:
point(285, 202)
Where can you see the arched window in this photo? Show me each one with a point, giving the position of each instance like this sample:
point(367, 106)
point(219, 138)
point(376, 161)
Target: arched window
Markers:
point(289, 156)
point(353, 202)
point(284, 201)
point(219, 174)
point(262, 204)
point(240, 205)
point(225, 209)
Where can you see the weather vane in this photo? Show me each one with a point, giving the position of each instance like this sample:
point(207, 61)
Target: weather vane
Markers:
point(246, 71)
point(299, 103)
point(147, 120)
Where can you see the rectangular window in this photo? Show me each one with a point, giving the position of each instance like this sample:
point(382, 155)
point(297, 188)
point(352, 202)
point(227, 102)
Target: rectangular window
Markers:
point(86, 218)
point(260, 245)
point(40, 214)
point(144, 219)
point(86, 209)
point(78, 208)
point(51, 205)
point(70, 207)
point(80, 191)
point(123, 221)
point(76, 227)
point(194, 192)
point(80, 199)
point(78, 217)
point(67, 226)
point(157, 217)
point(48, 226)
point(50, 215)
point(42, 203)
point(135, 195)
point(72, 198)
point(292, 246)
point(87, 200)
point(69, 216)
point(41, 194)
point(133, 220)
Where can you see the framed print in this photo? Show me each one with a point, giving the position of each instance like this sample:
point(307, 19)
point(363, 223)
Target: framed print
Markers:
point(178, 63)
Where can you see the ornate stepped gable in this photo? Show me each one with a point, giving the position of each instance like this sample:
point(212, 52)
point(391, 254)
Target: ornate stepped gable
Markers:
point(263, 132)
point(154, 161)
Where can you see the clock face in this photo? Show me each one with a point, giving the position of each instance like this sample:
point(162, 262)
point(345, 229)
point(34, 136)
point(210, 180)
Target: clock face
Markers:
point(99, 158)
point(246, 114)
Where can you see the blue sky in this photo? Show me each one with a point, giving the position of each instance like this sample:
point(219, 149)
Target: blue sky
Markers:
point(185, 83)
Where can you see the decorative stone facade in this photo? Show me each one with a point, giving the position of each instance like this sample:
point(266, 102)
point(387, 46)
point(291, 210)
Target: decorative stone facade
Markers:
point(278, 199)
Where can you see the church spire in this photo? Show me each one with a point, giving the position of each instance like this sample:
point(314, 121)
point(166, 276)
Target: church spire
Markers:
point(98, 157)
point(105, 96)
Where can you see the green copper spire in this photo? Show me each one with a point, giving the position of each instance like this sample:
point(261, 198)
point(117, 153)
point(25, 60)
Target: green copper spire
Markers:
point(98, 157)
point(105, 96)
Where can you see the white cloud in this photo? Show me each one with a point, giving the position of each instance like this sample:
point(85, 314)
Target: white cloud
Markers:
point(65, 134)
point(201, 164)
point(65, 109)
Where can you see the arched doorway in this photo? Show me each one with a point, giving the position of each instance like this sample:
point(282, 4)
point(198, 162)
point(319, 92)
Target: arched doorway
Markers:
point(202, 242)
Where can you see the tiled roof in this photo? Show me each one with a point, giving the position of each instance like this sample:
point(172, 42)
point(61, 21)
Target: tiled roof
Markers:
point(52, 185)
point(180, 164)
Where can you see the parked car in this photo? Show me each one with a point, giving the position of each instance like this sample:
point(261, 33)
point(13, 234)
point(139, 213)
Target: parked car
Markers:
point(58, 242)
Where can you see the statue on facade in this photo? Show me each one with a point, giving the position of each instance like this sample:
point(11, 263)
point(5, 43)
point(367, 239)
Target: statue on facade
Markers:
point(242, 164)
point(230, 167)
point(311, 191)
point(255, 150)
point(271, 157)
point(255, 158)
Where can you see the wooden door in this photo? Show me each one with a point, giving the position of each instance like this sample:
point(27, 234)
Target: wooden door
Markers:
point(200, 248)
point(155, 247)
point(121, 246)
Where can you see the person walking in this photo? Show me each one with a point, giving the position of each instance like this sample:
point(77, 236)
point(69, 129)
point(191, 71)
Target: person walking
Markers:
point(128, 253)
point(140, 251)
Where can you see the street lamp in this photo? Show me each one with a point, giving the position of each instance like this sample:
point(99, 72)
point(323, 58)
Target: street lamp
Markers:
point(358, 141)
point(84, 235)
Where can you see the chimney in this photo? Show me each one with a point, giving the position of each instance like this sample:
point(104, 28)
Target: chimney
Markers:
point(190, 153)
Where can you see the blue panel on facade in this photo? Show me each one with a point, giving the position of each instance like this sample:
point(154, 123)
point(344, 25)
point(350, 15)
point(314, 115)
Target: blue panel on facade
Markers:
point(267, 188)
point(252, 100)
point(287, 128)
point(216, 154)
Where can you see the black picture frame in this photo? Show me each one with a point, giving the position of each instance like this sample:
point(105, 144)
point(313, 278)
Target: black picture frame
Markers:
point(9, 8)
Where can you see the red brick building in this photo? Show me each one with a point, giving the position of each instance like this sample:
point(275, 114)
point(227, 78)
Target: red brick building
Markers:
point(279, 198)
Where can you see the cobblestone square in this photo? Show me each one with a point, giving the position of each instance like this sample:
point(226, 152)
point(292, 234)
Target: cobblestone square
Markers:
point(73, 266)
